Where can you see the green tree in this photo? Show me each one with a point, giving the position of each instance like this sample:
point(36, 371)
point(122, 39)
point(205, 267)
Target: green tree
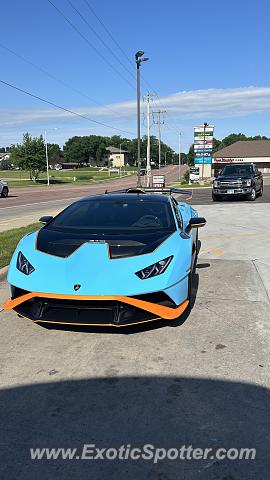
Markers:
point(55, 154)
point(100, 152)
point(5, 165)
point(30, 155)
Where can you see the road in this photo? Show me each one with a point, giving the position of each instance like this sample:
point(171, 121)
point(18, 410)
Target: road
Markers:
point(202, 381)
point(27, 205)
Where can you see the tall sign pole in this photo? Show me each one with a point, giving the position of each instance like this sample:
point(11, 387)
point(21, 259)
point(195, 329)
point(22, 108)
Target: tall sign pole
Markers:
point(203, 146)
point(204, 127)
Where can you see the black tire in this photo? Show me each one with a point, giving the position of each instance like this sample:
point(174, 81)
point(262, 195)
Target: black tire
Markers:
point(4, 192)
point(260, 194)
point(253, 195)
point(216, 198)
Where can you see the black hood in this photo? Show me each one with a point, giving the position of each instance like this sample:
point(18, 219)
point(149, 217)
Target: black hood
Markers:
point(234, 177)
point(63, 243)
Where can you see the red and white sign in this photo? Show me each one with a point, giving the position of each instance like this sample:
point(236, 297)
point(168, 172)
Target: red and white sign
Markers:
point(227, 160)
point(158, 181)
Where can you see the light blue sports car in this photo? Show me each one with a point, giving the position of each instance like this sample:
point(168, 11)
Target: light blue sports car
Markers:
point(114, 259)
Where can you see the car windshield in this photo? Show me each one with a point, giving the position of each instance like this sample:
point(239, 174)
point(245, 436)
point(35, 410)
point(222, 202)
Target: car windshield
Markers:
point(115, 215)
point(237, 170)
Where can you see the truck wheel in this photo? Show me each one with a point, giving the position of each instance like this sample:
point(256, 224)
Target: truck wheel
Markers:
point(216, 198)
point(252, 195)
point(4, 192)
point(260, 191)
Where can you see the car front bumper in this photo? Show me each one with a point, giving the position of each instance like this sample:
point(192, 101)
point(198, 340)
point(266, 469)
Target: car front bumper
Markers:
point(85, 310)
point(232, 191)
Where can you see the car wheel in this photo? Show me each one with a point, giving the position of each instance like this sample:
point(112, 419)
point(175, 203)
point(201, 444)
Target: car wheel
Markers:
point(4, 193)
point(215, 198)
point(260, 191)
point(252, 195)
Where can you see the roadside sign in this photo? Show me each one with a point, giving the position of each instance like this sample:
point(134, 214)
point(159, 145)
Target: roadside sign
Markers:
point(203, 144)
point(158, 181)
point(203, 160)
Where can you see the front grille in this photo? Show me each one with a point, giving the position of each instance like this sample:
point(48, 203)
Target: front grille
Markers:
point(231, 183)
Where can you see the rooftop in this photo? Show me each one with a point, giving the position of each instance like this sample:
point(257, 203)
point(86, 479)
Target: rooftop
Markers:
point(245, 148)
point(116, 150)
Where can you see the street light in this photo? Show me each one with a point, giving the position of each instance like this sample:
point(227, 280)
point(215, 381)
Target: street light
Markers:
point(47, 156)
point(120, 172)
point(139, 59)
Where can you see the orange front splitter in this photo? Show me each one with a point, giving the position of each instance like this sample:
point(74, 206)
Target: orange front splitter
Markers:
point(161, 311)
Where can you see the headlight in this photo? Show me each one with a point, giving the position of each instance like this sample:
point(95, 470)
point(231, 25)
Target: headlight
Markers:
point(155, 269)
point(216, 183)
point(23, 265)
point(247, 183)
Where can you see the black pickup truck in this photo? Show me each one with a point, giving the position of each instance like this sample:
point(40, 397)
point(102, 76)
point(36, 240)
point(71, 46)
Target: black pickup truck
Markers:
point(238, 179)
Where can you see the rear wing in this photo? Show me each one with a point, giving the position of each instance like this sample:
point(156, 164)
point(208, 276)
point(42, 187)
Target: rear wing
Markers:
point(163, 191)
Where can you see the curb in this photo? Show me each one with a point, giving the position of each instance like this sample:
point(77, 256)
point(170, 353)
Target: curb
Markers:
point(3, 273)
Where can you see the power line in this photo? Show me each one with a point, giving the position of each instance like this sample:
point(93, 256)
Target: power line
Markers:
point(123, 52)
point(101, 39)
point(50, 75)
point(116, 42)
point(108, 31)
point(62, 108)
point(90, 44)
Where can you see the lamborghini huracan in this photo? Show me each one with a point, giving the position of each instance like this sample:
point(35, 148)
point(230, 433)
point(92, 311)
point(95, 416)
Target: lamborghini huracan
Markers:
point(113, 259)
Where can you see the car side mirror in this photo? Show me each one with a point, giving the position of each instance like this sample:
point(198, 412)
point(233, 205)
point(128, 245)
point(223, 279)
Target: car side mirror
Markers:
point(46, 219)
point(196, 222)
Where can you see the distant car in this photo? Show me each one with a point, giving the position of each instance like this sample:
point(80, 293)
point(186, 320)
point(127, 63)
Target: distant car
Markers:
point(142, 172)
point(238, 179)
point(114, 170)
point(114, 259)
point(3, 188)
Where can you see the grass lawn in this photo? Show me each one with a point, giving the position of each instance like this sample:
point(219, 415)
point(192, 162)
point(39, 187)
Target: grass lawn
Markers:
point(17, 178)
point(9, 240)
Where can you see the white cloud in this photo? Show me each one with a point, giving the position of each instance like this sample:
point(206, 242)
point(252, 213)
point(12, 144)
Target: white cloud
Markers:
point(214, 103)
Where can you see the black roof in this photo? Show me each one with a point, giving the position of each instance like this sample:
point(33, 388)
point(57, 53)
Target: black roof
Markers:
point(127, 196)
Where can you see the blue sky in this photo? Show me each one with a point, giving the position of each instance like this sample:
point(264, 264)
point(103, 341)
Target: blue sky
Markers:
point(208, 62)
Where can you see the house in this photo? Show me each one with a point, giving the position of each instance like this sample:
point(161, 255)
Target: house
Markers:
point(116, 157)
point(4, 156)
point(243, 151)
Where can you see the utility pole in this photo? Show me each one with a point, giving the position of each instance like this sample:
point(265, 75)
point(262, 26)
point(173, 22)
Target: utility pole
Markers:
point(148, 154)
point(179, 158)
point(159, 122)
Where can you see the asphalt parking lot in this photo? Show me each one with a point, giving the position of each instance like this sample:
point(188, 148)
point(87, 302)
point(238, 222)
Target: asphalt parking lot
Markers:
point(202, 380)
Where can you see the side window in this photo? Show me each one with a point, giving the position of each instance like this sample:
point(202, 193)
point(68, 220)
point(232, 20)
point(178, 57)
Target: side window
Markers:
point(177, 214)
